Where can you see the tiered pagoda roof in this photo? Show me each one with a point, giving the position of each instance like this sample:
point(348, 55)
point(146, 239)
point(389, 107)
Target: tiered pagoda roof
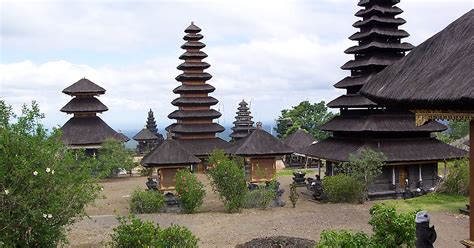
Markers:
point(364, 124)
point(151, 123)
point(243, 124)
point(194, 117)
point(145, 135)
point(85, 129)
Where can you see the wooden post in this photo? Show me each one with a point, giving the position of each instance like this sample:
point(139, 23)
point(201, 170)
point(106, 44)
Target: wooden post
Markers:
point(319, 167)
point(471, 172)
point(306, 163)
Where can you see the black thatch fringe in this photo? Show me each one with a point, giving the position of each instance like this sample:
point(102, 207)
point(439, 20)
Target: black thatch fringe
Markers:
point(437, 74)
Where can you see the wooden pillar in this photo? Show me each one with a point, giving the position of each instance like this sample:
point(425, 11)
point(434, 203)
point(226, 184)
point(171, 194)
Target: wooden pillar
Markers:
point(420, 178)
point(471, 172)
point(319, 168)
point(393, 175)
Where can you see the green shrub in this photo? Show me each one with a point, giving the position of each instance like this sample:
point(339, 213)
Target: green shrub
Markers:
point(457, 180)
point(293, 195)
point(343, 239)
point(146, 201)
point(365, 168)
point(176, 237)
point(392, 229)
point(112, 157)
point(228, 180)
point(343, 188)
point(190, 191)
point(133, 232)
point(44, 187)
point(260, 197)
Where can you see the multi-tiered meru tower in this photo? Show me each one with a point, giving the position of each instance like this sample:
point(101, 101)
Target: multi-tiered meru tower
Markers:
point(243, 124)
point(412, 153)
point(194, 128)
point(85, 129)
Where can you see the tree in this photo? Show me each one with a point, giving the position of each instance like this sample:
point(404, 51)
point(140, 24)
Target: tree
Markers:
point(306, 116)
point(228, 180)
point(365, 167)
point(43, 187)
point(457, 130)
point(113, 156)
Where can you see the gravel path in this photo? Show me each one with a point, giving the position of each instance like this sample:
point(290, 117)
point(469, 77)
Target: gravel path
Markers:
point(215, 228)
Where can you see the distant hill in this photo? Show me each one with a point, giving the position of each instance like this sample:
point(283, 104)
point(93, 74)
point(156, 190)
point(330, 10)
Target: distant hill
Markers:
point(132, 144)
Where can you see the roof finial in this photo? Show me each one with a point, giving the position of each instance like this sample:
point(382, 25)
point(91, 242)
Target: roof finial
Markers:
point(259, 125)
point(192, 22)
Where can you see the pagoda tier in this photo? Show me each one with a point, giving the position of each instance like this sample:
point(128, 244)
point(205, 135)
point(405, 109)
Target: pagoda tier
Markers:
point(194, 114)
point(85, 129)
point(243, 124)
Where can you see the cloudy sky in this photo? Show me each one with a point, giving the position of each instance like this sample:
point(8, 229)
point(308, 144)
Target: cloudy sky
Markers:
point(273, 53)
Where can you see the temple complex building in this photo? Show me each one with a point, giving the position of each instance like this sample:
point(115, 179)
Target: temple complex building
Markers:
point(412, 152)
point(85, 130)
point(195, 129)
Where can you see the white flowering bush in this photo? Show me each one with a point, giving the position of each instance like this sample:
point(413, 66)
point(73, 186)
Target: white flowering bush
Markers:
point(43, 187)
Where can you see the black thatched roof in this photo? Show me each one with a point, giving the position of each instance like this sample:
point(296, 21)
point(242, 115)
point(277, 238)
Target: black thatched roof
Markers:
point(400, 150)
point(195, 128)
point(299, 140)
point(170, 152)
point(84, 104)
point(84, 86)
point(203, 147)
point(259, 142)
point(395, 122)
point(88, 131)
point(185, 88)
point(437, 74)
point(193, 114)
point(352, 100)
point(145, 134)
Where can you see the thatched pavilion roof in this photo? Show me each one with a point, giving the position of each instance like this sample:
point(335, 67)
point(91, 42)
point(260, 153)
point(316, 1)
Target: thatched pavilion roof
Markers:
point(437, 74)
point(170, 152)
point(84, 104)
point(259, 142)
point(299, 140)
point(145, 134)
point(396, 150)
point(203, 147)
point(88, 131)
point(84, 86)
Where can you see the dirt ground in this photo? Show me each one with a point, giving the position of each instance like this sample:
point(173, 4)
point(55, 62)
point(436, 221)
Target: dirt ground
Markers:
point(215, 228)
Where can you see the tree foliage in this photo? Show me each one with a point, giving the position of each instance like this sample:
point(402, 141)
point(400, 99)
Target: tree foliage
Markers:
point(306, 116)
point(457, 130)
point(44, 187)
point(228, 180)
point(364, 167)
point(113, 156)
point(343, 188)
point(190, 191)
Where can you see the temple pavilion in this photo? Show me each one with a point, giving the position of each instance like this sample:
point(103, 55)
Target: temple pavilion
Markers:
point(243, 124)
point(195, 129)
point(435, 81)
point(85, 130)
point(298, 140)
point(412, 152)
point(260, 151)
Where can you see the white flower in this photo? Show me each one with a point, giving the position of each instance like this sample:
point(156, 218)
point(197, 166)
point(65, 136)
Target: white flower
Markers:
point(7, 191)
point(52, 172)
point(48, 170)
point(45, 216)
point(50, 216)
point(35, 173)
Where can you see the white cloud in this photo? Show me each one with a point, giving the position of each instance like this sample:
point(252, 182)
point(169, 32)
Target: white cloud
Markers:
point(272, 53)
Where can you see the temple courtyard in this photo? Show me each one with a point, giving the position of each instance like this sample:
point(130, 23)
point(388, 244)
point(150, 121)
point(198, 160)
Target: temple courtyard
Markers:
point(215, 228)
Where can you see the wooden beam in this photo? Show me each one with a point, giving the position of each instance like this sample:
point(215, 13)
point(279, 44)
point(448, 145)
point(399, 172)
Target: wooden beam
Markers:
point(471, 172)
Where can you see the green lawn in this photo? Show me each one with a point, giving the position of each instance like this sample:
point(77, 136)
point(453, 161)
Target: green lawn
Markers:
point(431, 202)
point(289, 172)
